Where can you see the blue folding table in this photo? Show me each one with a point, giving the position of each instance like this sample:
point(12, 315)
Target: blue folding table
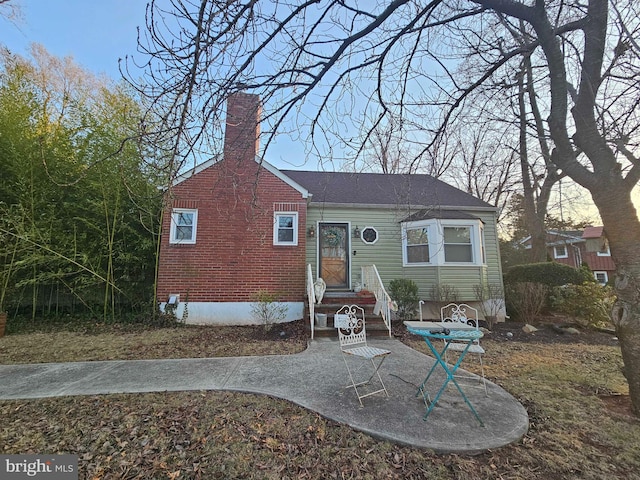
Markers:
point(447, 332)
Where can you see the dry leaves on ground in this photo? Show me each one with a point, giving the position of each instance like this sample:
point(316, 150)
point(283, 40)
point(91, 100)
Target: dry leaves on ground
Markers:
point(565, 383)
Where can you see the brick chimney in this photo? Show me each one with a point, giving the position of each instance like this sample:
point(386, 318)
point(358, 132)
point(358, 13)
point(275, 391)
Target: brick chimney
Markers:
point(242, 132)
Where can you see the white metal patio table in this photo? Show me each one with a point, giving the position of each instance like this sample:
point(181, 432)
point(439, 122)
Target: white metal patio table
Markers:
point(447, 332)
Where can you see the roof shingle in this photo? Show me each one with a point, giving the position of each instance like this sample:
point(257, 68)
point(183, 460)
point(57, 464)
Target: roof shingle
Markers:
point(382, 189)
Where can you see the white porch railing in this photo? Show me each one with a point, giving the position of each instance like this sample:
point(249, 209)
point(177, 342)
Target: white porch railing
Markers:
point(371, 281)
point(311, 296)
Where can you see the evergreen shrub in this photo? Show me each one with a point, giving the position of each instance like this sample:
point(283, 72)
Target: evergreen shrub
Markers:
point(589, 304)
point(551, 274)
point(404, 292)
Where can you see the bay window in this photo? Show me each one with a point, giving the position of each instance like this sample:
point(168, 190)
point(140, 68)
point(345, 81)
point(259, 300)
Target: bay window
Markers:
point(443, 242)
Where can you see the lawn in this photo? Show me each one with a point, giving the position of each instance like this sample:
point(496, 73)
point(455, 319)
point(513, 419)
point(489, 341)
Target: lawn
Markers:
point(571, 385)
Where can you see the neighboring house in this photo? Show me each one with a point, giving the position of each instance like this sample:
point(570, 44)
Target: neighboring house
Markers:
point(236, 226)
point(577, 247)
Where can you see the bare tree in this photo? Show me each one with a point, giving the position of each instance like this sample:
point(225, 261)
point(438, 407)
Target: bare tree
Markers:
point(536, 184)
point(10, 10)
point(483, 167)
point(500, 142)
point(325, 66)
point(386, 151)
point(392, 149)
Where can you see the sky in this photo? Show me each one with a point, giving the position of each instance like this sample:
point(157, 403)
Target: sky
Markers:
point(96, 33)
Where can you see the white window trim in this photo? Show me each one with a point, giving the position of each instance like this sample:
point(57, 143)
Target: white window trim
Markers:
point(276, 216)
point(483, 246)
point(555, 251)
point(174, 225)
point(606, 276)
point(435, 234)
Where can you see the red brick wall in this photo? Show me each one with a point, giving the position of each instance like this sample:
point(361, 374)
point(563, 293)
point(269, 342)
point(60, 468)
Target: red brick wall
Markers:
point(234, 256)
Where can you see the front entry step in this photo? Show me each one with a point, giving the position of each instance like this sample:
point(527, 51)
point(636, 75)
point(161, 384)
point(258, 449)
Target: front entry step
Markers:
point(375, 328)
point(343, 297)
point(334, 300)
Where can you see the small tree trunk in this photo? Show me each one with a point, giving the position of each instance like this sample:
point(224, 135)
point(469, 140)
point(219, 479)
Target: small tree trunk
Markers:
point(534, 212)
point(538, 251)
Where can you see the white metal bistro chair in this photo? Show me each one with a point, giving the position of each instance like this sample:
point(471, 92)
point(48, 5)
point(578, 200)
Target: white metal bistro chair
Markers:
point(463, 313)
point(350, 322)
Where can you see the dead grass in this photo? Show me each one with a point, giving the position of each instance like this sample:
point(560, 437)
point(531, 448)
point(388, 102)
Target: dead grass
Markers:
point(566, 387)
point(118, 343)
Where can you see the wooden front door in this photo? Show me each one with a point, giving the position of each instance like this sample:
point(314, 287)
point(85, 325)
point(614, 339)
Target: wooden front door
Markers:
point(334, 254)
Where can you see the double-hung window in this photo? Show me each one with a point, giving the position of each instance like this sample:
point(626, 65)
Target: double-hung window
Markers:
point(417, 245)
point(285, 229)
point(457, 245)
point(184, 224)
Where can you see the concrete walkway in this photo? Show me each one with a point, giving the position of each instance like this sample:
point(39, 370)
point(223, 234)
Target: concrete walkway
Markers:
point(314, 379)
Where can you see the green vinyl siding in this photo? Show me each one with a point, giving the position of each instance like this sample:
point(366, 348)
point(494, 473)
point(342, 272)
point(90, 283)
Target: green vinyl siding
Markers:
point(386, 253)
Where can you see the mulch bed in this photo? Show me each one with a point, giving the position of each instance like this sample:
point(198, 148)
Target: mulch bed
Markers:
point(282, 331)
point(550, 330)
